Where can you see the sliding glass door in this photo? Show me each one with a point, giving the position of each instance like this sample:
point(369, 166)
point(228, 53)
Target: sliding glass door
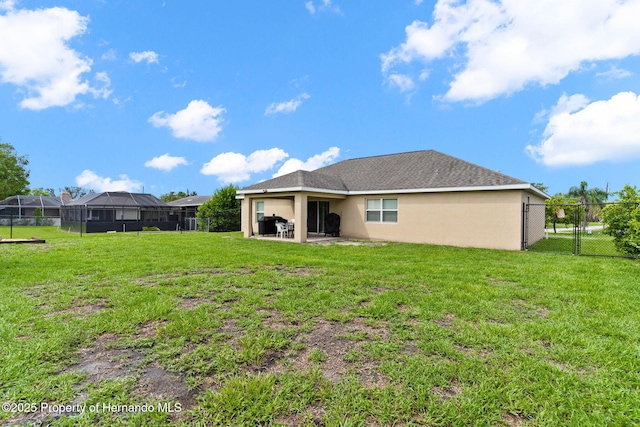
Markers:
point(316, 213)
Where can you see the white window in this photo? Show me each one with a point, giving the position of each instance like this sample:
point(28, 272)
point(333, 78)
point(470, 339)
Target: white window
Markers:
point(382, 210)
point(259, 210)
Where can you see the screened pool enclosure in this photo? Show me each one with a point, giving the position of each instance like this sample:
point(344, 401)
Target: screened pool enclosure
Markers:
point(118, 211)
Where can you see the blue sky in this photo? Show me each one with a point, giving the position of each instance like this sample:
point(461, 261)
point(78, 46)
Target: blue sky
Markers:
point(168, 95)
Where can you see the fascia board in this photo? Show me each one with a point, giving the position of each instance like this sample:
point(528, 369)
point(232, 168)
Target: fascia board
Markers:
point(528, 187)
point(293, 190)
point(524, 187)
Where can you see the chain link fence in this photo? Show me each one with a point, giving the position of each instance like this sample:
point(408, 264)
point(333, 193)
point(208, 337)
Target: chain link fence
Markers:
point(575, 229)
point(222, 221)
point(21, 227)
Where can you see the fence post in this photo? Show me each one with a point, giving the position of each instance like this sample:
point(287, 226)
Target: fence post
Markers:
point(525, 226)
point(577, 220)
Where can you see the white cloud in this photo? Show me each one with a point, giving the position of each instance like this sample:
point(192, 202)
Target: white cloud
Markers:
point(199, 121)
point(581, 133)
point(499, 46)
point(312, 163)
point(324, 6)
point(109, 55)
point(178, 83)
point(288, 106)
point(235, 167)
point(90, 179)
point(149, 56)
point(35, 56)
point(614, 73)
point(7, 4)
point(310, 7)
point(403, 82)
point(166, 162)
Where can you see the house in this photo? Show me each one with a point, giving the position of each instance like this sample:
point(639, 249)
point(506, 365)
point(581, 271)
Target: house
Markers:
point(421, 197)
point(188, 208)
point(118, 211)
point(30, 209)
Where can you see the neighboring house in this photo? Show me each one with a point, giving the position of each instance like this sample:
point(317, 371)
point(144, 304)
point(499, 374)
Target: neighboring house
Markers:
point(188, 206)
point(118, 211)
point(187, 210)
point(26, 208)
point(422, 197)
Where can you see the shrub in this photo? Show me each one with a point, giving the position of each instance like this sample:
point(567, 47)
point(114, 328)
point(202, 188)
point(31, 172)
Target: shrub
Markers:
point(223, 210)
point(622, 221)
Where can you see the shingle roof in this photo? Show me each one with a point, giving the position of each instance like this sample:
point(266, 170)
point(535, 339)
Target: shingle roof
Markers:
point(120, 199)
point(190, 201)
point(302, 178)
point(427, 169)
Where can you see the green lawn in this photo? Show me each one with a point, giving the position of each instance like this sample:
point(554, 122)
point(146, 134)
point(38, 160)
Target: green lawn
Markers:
point(594, 242)
point(214, 329)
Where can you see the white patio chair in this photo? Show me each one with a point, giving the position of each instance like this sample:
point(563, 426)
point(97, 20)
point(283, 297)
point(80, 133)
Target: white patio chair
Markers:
point(281, 229)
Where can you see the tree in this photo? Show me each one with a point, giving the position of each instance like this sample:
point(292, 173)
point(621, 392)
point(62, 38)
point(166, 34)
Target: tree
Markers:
point(560, 208)
point(622, 221)
point(540, 186)
point(223, 210)
point(42, 192)
point(170, 197)
point(588, 197)
point(76, 192)
point(14, 175)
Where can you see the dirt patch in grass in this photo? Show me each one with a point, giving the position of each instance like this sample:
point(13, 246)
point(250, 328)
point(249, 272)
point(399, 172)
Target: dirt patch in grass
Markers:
point(101, 362)
point(297, 271)
point(230, 326)
point(513, 420)
point(445, 321)
point(149, 330)
point(447, 392)
point(155, 279)
point(530, 312)
point(104, 360)
point(337, 348)
point(274, 320)
point(192, 303)
point(313, 415)
point(80, 307)
point(36, 291)
point(157, 383)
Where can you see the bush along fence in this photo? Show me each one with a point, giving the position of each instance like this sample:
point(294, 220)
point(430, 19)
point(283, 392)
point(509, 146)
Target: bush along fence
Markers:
point(607, 229)
point(11, 220)
point(221, 221)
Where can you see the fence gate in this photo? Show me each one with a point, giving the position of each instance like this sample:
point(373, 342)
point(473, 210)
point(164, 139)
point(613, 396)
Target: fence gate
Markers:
point(575, 229)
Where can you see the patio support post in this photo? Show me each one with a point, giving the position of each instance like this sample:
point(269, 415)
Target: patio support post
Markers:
point(300, 213)
point(246, 216)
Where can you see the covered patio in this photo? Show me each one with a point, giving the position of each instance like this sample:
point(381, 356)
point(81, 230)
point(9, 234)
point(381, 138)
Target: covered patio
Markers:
point(307, 210)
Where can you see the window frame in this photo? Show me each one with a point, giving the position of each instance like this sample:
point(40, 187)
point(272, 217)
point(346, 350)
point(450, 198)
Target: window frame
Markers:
point(381, 210)
point(259, 213)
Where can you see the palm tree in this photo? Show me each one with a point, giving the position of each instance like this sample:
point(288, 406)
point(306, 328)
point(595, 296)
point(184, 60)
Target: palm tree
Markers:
point(587, 197)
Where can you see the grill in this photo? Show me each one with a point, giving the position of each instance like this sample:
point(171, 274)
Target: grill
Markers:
point(267, 224)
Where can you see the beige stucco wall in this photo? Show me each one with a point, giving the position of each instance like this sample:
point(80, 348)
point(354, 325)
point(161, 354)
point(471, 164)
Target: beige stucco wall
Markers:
point(536, 226)
point(484, 219)
point(273, 206)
